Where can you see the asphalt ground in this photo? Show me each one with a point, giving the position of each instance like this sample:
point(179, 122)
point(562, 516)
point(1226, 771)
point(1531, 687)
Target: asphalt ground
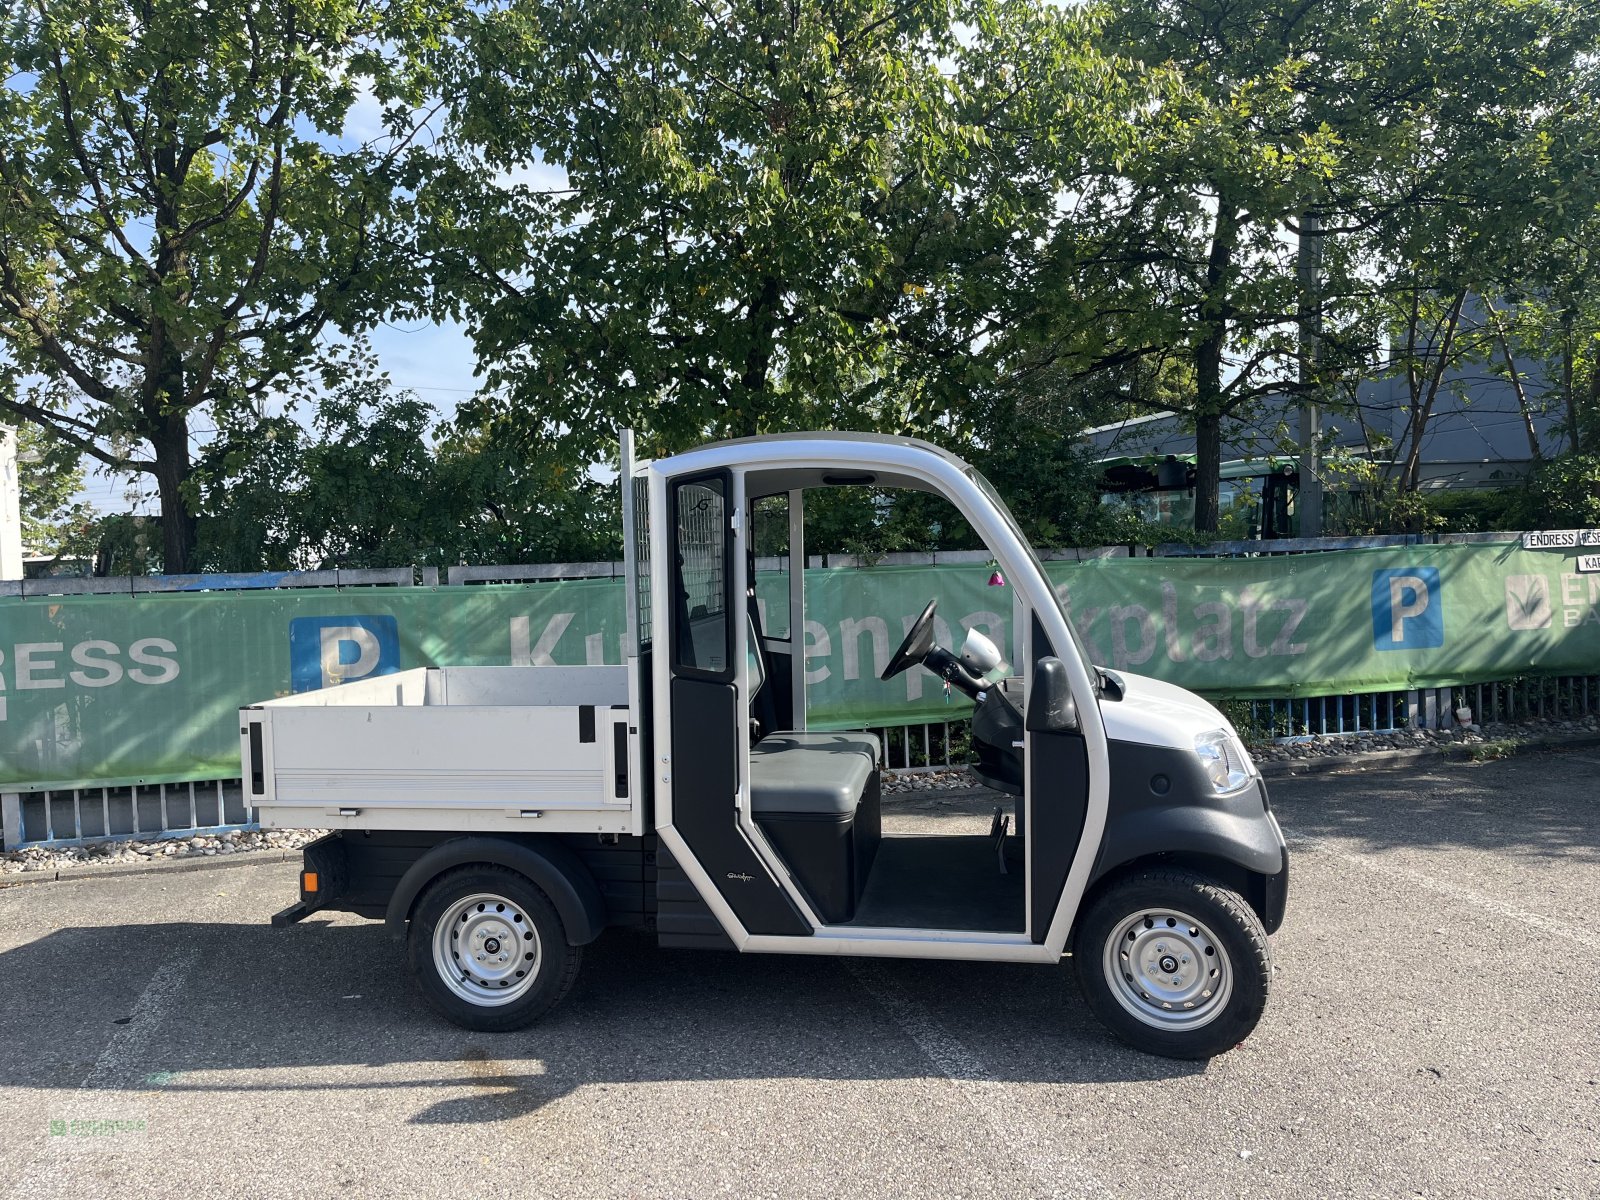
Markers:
point(1433, 1031)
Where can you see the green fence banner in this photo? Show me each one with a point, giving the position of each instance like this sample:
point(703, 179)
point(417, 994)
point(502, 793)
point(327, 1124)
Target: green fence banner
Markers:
point(109, 690)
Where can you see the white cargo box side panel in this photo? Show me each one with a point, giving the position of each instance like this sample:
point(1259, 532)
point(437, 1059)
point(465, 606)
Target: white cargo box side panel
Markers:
point(441, 767)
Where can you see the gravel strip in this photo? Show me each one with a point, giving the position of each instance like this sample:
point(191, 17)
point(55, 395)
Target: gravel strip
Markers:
point(927, 781)
point(136, 852)
point(1354, 745)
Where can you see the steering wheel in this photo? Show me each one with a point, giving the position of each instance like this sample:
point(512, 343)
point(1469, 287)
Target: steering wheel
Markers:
point(919, 640)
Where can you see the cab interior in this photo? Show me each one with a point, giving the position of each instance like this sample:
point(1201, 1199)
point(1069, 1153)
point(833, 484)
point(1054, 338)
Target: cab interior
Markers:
point(815, 795)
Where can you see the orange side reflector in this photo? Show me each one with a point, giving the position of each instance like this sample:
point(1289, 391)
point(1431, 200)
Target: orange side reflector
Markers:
point(309, 881)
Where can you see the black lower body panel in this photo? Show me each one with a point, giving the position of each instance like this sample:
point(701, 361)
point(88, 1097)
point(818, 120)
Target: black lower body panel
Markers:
point(683, 920)
point(360, 870)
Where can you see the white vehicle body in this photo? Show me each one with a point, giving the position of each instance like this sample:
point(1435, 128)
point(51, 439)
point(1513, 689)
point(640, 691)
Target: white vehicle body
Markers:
point(756, 833)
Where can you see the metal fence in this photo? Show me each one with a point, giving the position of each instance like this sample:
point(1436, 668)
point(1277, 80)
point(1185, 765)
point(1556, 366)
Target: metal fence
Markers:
point(1559, 697)
point(55, 818)
point(148, 812)
point(154, 811)
point(137, 585)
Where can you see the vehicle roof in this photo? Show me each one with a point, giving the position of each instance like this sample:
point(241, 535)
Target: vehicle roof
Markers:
point(836, 438)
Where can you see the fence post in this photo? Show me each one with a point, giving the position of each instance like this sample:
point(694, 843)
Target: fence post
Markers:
point(10, 820)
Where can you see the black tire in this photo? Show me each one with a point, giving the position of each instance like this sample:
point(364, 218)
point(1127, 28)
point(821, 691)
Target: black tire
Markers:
point(1223, 948)
point(512, 902)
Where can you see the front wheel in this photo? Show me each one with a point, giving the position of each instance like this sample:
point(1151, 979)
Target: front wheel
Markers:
point(489, 950)
point(1174, 964)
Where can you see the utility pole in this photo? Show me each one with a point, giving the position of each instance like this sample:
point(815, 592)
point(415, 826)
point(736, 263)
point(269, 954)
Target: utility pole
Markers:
point(1308, 502)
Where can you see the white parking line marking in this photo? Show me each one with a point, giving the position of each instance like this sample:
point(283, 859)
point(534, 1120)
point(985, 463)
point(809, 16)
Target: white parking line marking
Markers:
point(118, 1065)
point(1551, 925)
point(984, 1093)
point(126, 1050)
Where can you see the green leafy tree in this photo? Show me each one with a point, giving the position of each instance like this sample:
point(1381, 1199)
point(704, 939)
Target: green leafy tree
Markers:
point(1564, 493)
point(55, 522)
point(1380, 118)
point(181, 219)
point(1555, 320)
point(1184, 242)
point(519, 499)
point(1493, 167)
point(356, 486)
point(766, 215)
point(366, 481)
point(370, 496)
point(248, 480)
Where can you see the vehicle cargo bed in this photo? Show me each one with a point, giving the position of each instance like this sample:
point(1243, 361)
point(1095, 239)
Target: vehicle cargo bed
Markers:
point(531, 749)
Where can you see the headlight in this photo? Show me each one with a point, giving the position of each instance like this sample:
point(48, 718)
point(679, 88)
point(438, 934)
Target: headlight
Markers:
point(1224, 759)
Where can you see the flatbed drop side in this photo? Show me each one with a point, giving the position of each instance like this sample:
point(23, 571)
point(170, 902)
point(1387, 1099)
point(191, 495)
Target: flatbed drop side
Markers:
point(501, 818)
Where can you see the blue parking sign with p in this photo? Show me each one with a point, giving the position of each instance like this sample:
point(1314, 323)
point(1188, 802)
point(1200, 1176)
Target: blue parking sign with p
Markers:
point(327, 651)
point(1407, 609)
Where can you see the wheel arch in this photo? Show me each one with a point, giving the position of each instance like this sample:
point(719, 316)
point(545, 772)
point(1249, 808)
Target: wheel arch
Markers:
point(1265, 894)
point(552, 867)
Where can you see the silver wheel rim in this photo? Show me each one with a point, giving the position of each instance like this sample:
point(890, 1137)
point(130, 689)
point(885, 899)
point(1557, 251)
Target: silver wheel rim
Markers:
point(486, 950)
point(1167, 969)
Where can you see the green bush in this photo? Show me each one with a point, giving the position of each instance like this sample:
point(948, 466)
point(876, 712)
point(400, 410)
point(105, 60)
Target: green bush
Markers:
point(1478, 511)
point(1564, 493)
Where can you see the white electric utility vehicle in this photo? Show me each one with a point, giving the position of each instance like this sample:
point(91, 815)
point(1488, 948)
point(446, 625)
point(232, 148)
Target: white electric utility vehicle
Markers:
point(501, 818)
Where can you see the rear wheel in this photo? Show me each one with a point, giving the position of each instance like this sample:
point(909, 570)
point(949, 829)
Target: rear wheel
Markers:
point(1174, 964)
point(489, 950)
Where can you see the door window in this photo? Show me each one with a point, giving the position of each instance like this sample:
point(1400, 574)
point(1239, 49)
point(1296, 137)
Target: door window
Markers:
point(703, 633)
point(770, 540)
point(641, 549)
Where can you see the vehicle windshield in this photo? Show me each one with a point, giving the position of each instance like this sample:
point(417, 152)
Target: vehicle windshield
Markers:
point(1005, 511)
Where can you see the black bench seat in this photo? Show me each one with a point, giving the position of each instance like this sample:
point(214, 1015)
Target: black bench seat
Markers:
point(815, 796)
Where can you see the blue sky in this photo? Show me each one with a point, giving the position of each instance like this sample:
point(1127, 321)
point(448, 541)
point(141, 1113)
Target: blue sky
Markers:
point(435, 361)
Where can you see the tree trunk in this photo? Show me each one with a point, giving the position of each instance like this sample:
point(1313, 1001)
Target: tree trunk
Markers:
point(179, 529)
point(1411, 475)
point(1515, 376)
point(1568, 391)
point(1207, 470)
point(1594, 405)
point(754, 381)
point(1214, 314)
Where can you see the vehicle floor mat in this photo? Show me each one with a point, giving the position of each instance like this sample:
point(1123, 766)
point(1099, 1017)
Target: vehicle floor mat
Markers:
point(946, 882)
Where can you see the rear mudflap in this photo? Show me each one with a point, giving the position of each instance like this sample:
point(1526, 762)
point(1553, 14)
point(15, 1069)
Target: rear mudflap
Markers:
point(324, 876)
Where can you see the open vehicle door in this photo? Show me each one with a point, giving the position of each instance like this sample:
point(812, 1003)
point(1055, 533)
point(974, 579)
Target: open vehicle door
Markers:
point(780, 828)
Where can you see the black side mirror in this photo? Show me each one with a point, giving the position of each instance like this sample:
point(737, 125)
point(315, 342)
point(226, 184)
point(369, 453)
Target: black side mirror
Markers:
point(1050, 705)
